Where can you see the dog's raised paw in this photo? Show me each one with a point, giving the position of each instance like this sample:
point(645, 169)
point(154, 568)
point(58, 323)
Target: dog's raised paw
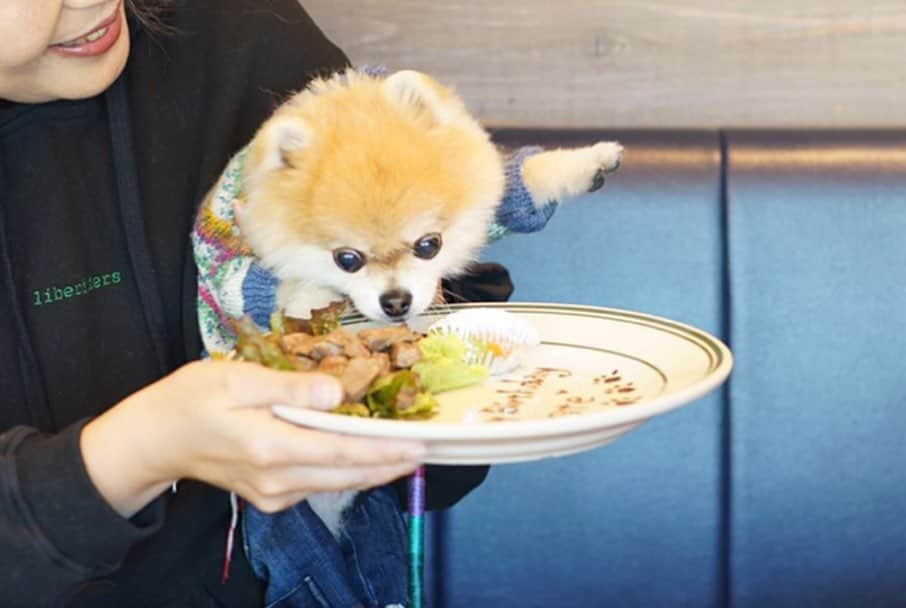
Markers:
point(597, 182)
point(608, 156)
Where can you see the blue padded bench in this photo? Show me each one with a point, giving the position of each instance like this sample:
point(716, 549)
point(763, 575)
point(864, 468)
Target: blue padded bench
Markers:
point(817, 241)
point(788, 488)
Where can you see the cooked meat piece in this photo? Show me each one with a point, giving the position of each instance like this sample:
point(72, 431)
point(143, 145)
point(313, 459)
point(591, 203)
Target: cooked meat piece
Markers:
point(303, 364)
point(359, 375)
point(351, 344)
point(335, 365)
point(324, 348)
point(405, 399)
point(298, 344)
point(384, 359)
point(405, 354)
point(337, 342)
point(382, 338)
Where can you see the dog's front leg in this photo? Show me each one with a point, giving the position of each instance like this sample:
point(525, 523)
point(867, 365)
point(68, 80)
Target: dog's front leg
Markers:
point(557, 175)
point(298, 299)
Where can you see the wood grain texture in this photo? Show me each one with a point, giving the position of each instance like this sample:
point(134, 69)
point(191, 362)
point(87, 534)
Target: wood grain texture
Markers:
point(644, 63)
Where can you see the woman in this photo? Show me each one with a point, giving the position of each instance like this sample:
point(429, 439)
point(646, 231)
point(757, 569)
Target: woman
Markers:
point(110, 134)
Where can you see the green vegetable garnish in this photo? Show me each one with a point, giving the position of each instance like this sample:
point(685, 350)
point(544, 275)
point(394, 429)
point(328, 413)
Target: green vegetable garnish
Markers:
point(398, 395)
point(443, 366)
point(325, 320)
point(322, 321)
point(406, 394)
point(352, 409)
point(252, 345)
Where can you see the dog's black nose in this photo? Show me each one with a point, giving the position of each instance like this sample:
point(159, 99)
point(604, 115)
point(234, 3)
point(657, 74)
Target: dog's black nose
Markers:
point(396, 302)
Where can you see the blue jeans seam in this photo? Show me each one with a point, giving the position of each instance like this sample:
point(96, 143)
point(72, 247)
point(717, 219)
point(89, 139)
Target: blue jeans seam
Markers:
point(287, 594)
point(315, 591)
point(366, 584)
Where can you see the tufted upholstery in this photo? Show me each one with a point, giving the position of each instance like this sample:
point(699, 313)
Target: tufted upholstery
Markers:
point(788, 488)
point(817, 235)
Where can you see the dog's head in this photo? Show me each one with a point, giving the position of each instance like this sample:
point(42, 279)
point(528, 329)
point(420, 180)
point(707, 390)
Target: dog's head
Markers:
point(375, 188)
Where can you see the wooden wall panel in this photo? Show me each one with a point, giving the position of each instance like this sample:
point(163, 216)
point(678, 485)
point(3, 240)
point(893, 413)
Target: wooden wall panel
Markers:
point(644, 63)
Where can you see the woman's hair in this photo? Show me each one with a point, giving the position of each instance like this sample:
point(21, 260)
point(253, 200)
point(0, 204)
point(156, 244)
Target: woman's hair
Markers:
point(150, 12)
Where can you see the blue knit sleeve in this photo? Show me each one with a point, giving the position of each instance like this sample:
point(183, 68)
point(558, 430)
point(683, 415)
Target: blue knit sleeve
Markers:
point(375, 71)
point(259, 294)
point(518, 212)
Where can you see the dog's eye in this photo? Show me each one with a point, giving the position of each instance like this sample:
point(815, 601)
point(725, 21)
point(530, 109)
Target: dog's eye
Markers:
point(349, 260)
point(428, 246)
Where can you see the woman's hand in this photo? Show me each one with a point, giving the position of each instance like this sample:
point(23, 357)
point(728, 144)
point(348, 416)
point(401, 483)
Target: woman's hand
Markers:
point(211, 421)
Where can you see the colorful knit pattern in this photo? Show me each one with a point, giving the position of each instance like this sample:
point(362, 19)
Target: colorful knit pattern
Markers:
point(230, 282)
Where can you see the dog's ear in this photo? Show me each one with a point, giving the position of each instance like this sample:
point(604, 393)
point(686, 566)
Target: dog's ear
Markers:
point(424, 95)
point(281, 139)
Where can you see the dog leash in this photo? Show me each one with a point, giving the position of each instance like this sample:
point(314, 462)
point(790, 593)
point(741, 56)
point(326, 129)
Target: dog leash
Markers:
point(417, 538)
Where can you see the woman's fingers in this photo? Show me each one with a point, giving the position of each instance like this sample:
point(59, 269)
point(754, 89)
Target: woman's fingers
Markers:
point(210, 421)
point(252, 385)
point(270, 442)
point(282, 463)
point(235, 442)
point(277, 490)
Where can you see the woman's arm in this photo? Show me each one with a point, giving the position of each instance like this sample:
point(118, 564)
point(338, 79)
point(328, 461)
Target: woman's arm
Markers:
point(56, 529)
point(211, 421)
point(72, 504)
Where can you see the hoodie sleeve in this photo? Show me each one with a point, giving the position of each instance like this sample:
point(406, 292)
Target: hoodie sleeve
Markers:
point(55, 527)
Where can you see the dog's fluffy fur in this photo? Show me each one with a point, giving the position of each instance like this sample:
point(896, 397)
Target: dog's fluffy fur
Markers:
point(373, 165)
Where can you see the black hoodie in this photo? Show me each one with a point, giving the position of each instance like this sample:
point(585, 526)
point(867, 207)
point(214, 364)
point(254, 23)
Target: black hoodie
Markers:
point(97, 298)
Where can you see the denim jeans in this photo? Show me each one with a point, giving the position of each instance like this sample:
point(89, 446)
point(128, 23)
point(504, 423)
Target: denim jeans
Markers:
point(306, 567)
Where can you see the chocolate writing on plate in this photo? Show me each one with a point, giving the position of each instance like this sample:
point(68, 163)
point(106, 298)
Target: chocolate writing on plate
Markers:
point(605, 390)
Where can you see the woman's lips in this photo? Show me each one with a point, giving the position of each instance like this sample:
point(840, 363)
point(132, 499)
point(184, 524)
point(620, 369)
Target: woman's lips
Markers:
point(96, 42)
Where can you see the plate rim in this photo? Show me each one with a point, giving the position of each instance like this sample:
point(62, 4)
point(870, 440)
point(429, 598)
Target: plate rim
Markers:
point(521, 429)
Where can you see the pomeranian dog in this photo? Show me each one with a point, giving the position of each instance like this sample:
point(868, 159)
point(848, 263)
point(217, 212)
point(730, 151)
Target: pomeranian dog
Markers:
point(374, 189)
point(370, 189)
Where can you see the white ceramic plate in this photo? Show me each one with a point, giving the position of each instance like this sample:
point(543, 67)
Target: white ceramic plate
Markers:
point(598, 374)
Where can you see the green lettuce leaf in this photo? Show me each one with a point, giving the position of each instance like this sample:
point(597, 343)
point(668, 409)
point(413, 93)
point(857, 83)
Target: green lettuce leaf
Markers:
point(443, 366)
